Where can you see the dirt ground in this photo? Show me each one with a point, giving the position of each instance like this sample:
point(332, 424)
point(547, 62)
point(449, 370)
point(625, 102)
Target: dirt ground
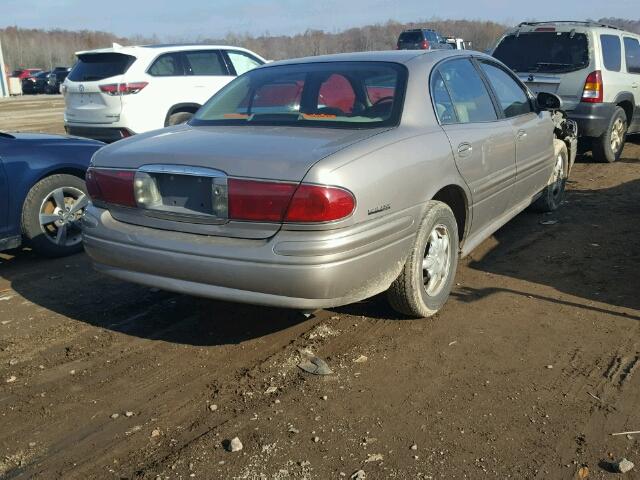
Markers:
point(525, 374)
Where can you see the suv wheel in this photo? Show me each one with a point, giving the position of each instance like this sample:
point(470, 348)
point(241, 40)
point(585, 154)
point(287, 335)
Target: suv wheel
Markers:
point(51, 215)
point(608, 147)
point(423, 286)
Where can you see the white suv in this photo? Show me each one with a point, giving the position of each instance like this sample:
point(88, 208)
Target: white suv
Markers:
point(594, 68)
point(113, 93)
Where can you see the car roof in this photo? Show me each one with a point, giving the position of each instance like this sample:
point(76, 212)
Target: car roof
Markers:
point(393, 56)
point(153, 50)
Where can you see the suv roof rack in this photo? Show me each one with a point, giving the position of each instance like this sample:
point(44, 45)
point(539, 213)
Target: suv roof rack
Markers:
point(571, 22)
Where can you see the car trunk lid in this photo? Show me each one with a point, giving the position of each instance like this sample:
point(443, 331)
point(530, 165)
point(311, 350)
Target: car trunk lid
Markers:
point(187, 165)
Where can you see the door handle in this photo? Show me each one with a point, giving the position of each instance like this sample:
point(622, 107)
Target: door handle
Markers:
point(465, 149)
point(521, 134)
point(634, 85)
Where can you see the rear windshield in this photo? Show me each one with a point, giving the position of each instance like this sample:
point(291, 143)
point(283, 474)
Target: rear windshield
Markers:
point(411, 37)
point(548, 52)
point(338, 94)
point(98, 66)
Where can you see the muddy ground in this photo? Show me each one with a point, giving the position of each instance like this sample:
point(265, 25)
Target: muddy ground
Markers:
point(525, 374)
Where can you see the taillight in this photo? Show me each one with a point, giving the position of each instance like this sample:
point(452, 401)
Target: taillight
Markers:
point(111, 186)
point(425, 45)
point(593, 88)
point(286, 202)
point(114, 89)
point(316, 203)
point(258, 201)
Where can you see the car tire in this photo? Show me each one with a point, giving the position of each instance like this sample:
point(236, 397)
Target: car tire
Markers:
point(179, 118)
point(420, 291)
point(608, 147)
point(553, 194)
point(52, 230)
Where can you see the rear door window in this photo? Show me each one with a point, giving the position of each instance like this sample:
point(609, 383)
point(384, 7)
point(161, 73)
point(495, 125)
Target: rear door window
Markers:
point(167, 65)
point(470, 97)
point(242, 62)
point(442, 100)
point(544, 52)
point(98, 66)
point(611, 52)
point(632, 54)
point(513, 99)
point(204, 62)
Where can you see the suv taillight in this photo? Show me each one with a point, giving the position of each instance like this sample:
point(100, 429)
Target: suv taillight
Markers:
point(114, 89)
point(593, 88)
point(425, 45)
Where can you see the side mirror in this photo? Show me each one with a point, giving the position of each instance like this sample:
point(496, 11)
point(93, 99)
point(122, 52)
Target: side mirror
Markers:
point(549, 101)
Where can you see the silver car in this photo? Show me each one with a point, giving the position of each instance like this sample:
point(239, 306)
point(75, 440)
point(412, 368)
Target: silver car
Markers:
point(323, 181)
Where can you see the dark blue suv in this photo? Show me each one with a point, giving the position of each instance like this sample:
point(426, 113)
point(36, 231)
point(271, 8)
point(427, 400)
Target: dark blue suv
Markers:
point(422, 39)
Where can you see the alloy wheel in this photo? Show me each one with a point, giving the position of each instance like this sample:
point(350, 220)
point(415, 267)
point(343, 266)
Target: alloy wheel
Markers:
point(60, 215)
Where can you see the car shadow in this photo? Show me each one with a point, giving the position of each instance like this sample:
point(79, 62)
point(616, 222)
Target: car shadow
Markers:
point(70, 287)
point(592, 252)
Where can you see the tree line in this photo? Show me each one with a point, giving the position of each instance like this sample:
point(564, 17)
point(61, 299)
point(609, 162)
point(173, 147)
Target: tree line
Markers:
point(46, 49)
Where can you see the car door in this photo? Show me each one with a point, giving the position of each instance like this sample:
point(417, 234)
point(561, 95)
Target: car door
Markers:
point(483, 144)
point(533, 131)
point(206, 73)
point(632, 60)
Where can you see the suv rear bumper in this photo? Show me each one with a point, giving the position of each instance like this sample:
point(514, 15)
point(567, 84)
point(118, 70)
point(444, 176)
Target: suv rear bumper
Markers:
point(104, 134)
point(593, 118)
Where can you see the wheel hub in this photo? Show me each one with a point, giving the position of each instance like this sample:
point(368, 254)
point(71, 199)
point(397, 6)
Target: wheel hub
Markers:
point(59, 215)
point(436, 261)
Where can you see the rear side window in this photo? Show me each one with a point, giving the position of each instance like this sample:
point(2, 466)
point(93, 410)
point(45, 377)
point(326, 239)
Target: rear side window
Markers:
point(512, 98)
point(611, 52)
point(167, 65)
point(98, 66)
point(242, 62)
point(544, 52)
point(470, 97)
point(204, 62)
point(632, 54)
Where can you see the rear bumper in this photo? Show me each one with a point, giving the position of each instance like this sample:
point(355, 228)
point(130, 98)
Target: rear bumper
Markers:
point(104, 134)
point(294, 269)
point(592, 118)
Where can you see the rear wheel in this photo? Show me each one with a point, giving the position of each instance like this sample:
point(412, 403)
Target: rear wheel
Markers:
point(51, 215)
point(424, 285)
point(179, 118)
point(608, 147)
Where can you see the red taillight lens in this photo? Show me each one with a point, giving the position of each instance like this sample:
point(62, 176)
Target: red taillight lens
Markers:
point(286, 202)
point(593, 88)
point(316, 203)
point(122, 88)
point(111, 186)
point(258, 201)
point(425, 45)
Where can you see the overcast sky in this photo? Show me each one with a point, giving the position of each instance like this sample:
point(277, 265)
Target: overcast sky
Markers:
point(215, 18)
